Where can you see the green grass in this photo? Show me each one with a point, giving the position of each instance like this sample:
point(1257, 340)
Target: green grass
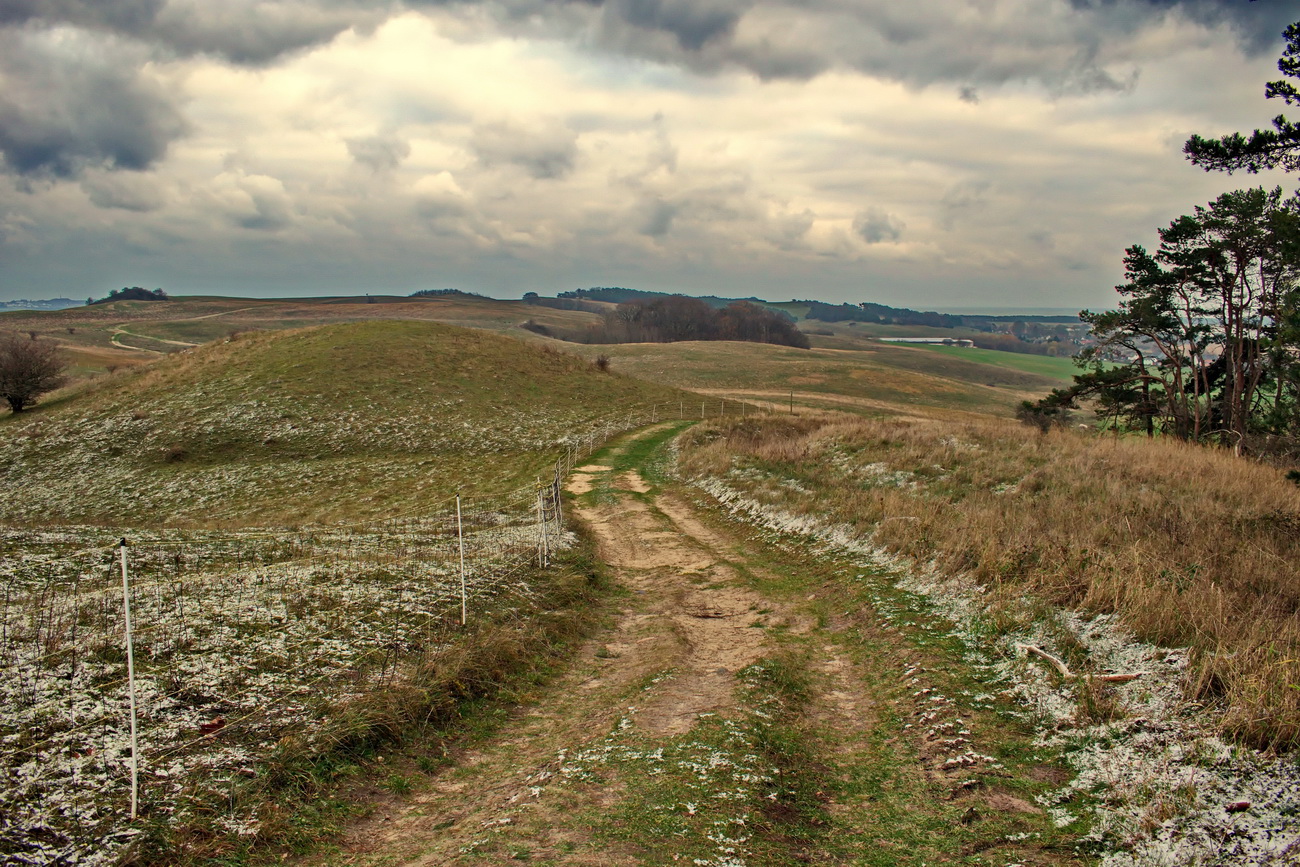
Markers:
point(348, 421)
point(1062, 369)
point(741, 781)
point(876, 378)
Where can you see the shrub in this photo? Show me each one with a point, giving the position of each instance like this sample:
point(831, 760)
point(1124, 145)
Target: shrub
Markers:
point(29, 367)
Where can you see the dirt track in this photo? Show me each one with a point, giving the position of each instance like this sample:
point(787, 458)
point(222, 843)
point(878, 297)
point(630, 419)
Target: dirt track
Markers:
point(688, 613)
point(653, 680)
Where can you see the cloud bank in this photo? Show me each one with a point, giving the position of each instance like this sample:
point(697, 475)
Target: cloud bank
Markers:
point(941, 151)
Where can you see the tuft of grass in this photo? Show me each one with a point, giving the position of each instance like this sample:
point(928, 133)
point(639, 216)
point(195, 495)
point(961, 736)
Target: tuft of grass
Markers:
point(398, 784)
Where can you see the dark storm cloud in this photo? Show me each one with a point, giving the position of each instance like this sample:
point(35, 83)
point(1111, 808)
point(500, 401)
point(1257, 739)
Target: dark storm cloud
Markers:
point(1080, 46)
point(69, 102)
point(123, 15)
point(74, 91)
point(1256, 24)
point(242, 31)
point(545, 154)
point(918, 43)
point(256, 32)
point(692, 23)
point(875, 226)
point(379, 153)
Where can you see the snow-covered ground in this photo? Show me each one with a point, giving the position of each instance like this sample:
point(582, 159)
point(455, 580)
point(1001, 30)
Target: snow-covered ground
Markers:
point(239, 640)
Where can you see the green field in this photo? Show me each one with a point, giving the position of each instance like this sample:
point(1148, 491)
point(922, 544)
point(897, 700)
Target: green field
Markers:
point(879, 377)
point(1061, 369)
point(346, 421)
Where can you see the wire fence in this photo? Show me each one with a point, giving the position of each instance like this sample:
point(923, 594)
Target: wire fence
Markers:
point(237, 640)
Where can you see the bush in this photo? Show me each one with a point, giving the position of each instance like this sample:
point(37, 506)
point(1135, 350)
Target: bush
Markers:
point(29, 367)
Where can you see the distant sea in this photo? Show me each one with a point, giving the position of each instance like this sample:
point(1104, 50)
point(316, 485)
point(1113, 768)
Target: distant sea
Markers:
point(1011, 311)
point(47, 304)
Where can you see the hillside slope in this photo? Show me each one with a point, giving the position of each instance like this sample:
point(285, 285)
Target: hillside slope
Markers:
point(121, 333)
point(875, 377)
point(340, 422)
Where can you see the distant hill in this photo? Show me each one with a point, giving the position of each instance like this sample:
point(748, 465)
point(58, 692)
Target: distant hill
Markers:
point(619, 295)
point(359, 420)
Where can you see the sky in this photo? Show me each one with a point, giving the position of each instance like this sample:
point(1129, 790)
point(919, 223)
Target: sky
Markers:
point(930, 153)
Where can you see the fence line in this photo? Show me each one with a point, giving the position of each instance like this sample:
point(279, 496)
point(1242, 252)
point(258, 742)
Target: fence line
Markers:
point(219, 622)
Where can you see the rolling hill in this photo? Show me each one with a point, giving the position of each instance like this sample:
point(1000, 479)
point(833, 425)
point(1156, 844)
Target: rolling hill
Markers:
point(344, 421)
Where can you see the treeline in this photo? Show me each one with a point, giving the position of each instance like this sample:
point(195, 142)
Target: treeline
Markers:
point(564, 302)
point(869, 311)
point(672, 318)
point(619, 295)
point(1011, 343)
point(883, 314)
point(132, 293)
point(1205, 345)
point(438, 293)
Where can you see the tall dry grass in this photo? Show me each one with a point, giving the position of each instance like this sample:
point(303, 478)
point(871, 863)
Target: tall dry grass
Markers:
point(1188, 546)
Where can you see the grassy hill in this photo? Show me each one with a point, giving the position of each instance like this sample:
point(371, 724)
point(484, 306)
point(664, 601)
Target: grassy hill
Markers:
point(866, 373)
point(122, 333)
point(1059, 369)
point(872, 378)
point(342, 422)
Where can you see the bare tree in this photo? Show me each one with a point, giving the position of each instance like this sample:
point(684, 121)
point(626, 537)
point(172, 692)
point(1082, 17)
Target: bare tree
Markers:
point(29, 367)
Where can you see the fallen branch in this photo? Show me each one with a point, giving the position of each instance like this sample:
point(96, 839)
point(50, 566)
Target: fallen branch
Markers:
point(1069, 675)
point(1060, 666)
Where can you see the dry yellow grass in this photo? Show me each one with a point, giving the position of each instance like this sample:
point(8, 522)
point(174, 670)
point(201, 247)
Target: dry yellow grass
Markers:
point(1189, 546)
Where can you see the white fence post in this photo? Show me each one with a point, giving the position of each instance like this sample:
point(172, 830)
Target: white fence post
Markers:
point(460, 537)
point(130, 679)
point(559, 501)
point(541, 529)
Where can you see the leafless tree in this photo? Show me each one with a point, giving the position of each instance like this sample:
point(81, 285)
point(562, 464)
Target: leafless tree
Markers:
point(29, 367)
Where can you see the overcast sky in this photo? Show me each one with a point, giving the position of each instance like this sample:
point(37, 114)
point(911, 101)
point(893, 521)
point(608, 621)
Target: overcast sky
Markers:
point(929, 153)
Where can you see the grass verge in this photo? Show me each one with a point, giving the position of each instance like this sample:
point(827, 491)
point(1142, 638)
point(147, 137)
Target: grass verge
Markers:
point(1187, 546)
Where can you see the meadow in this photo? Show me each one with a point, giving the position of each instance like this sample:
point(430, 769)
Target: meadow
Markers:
point(345, 422)
point(872, 377)
point(294, 505)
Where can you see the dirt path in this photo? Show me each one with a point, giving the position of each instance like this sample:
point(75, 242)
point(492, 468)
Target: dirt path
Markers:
point(120, 330)
point(690, 623)
point(656, 747)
